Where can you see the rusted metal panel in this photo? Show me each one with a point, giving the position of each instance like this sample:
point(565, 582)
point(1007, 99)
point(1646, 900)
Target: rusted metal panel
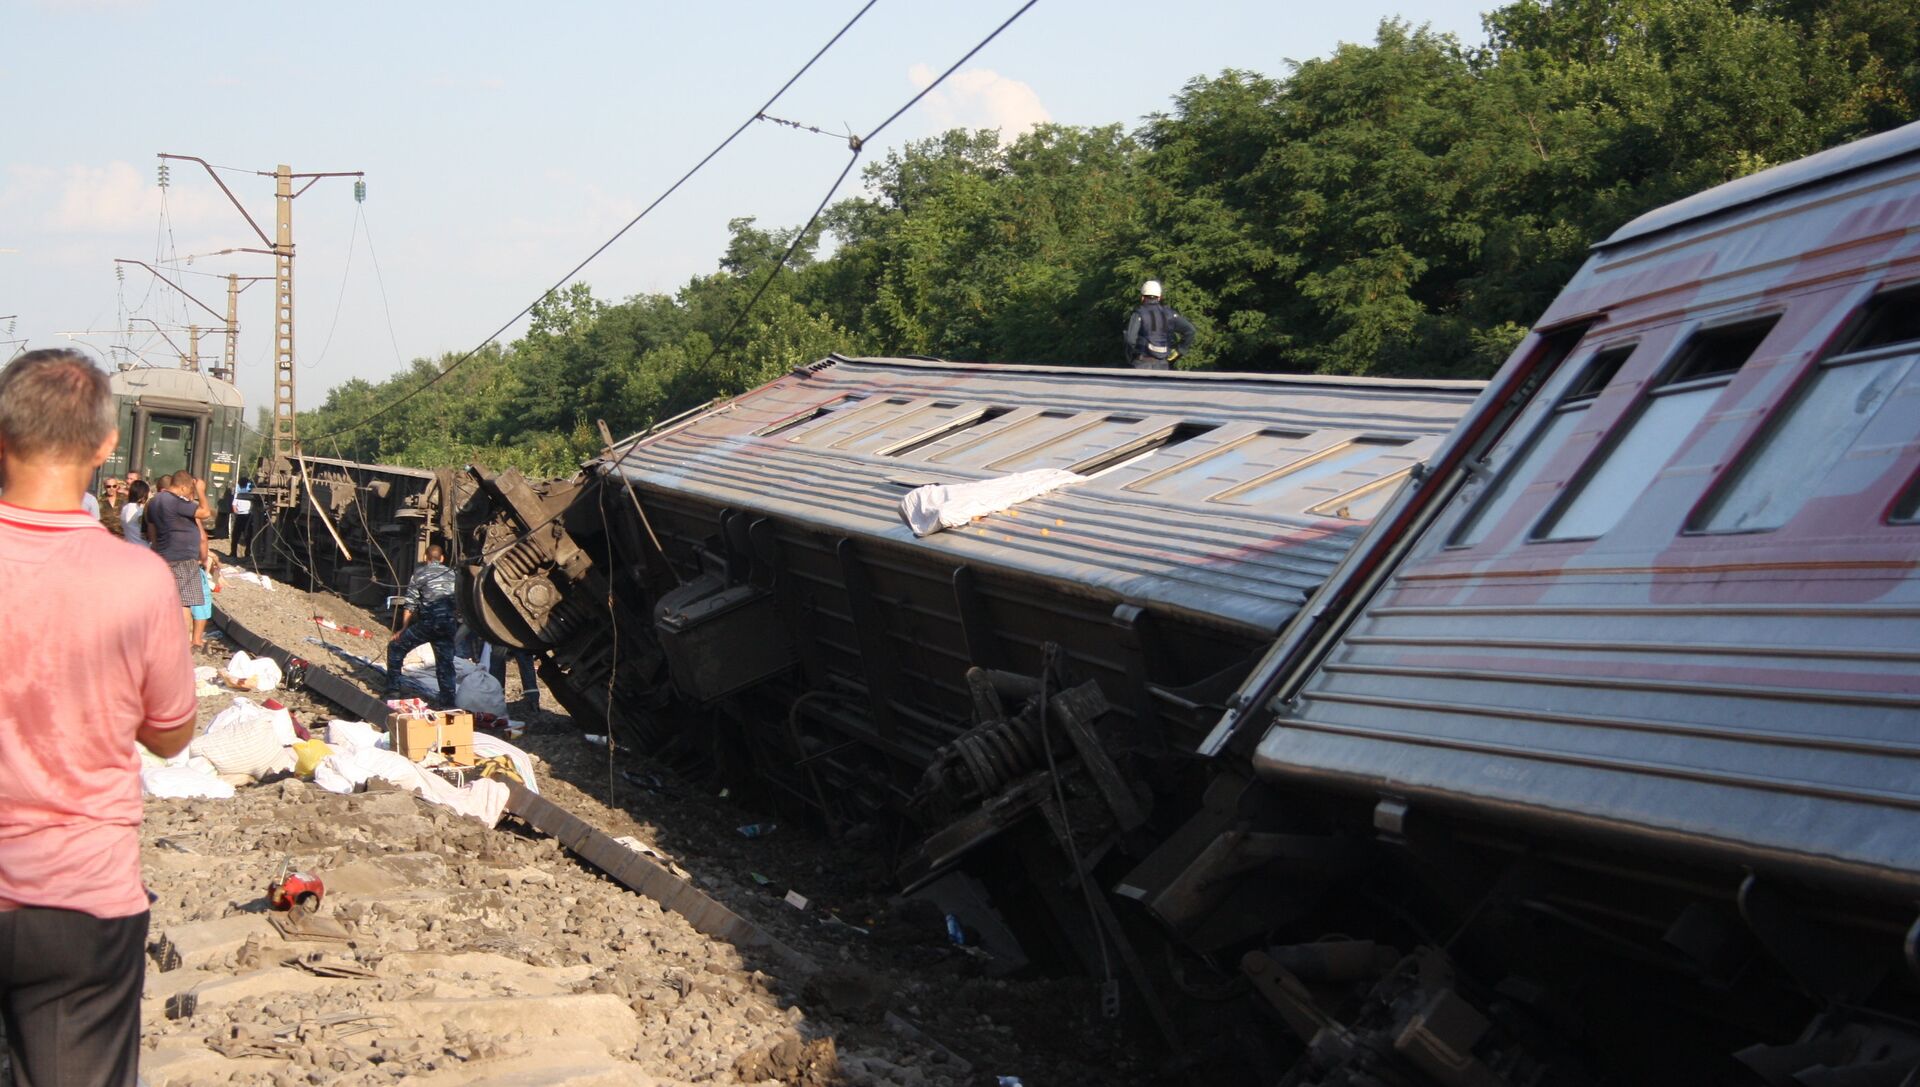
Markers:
point(1750, 695)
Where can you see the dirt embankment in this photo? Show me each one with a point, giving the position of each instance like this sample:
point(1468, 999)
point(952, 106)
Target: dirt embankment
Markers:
point(492, 956)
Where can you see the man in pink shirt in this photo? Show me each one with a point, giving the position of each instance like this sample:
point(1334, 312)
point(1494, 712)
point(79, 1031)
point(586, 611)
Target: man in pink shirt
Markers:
point(88, 675)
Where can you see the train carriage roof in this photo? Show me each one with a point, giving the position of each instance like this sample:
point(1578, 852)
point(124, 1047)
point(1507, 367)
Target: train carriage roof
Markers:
point(1777, 181)
point(175, 385)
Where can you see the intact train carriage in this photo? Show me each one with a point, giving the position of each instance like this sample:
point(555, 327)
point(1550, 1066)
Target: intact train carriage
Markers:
point(173, 419)
point(1563, 731)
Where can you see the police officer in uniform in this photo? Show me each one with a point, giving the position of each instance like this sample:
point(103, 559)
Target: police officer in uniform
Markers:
point(1156, 334)
point(427, 616)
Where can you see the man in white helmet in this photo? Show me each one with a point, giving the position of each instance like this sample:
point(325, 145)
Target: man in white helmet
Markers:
point(1155, 333)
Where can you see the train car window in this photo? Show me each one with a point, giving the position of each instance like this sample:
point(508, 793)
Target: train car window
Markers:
point(1087, 441)
point(1362, 503)
point(1889, 318)
point(1674, 407)
point(806, 417)
point(1907, 510)
point(1541, 446)
point(1791, 461)
point(1343, 468)
point(1226, 465)
point(941, 433)
point(1179, 434)
point(844, 428)
point(978, 450)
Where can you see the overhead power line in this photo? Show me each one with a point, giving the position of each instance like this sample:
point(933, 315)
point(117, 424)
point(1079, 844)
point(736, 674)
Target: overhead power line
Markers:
point(857, 144)
point(617, 235)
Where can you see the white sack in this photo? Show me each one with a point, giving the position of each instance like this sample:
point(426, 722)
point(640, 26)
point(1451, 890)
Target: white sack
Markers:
point(935, 506)
point(352, 735)
point(479, 692)
point(242, 739)
point(183, 782)
point(264, 673)
point(419, 658)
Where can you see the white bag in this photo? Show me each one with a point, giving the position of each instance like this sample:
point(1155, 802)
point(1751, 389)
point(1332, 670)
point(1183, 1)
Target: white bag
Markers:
point(352, 735)
point(479, 692)
point(258, 673)
point(244, 738)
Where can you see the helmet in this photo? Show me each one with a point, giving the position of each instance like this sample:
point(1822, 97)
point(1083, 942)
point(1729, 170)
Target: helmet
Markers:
point(1150, 289)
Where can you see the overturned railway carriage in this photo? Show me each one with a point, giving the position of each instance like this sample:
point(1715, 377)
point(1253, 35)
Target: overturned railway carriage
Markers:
point(1629, 686)
point(357, 529)
point(759, 553)
point(1590, 760)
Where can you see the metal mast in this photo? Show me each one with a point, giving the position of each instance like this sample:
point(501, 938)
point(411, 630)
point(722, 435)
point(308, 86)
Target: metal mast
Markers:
point(280, 247)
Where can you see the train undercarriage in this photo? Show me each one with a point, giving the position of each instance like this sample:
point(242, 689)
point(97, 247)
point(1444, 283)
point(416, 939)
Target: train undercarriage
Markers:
point(1023, 757)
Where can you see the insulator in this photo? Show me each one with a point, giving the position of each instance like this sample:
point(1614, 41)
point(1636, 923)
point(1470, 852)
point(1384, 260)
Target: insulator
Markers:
point(120, 272)
point(359, 192)
point(164, 175)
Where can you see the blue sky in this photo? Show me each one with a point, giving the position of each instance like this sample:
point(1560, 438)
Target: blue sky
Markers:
point(503, 142)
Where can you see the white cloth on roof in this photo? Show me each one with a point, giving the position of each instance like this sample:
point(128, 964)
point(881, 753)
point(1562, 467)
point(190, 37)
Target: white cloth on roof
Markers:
point(936, 506)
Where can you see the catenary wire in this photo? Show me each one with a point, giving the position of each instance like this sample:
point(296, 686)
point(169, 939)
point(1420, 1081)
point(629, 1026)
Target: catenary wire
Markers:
point(858, 144)
point(618, 234)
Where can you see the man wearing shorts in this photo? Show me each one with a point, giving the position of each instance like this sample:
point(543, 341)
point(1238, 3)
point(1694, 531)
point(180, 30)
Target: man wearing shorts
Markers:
point(179, 539)
point(84, 682)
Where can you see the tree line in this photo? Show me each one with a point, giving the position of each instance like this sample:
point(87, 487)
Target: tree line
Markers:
point(1400, 208)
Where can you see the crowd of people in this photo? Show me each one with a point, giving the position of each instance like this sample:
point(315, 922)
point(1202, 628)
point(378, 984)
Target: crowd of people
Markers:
point(93, 676)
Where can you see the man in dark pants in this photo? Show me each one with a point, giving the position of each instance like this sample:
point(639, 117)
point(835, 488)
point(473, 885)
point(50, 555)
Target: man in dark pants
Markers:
point(1155, 334)
point(242, 504)
point(84, 685)
point(428, 616)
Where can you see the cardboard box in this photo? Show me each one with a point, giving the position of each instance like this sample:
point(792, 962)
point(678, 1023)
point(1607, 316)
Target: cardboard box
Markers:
point(450, 732)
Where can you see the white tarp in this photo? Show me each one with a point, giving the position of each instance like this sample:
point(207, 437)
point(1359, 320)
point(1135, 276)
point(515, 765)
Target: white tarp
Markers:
point(484, 799)
point(194, 779)
point(935, 506)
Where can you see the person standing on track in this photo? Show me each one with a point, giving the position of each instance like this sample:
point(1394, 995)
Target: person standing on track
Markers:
point(240, 536)
point(427, 616)
point(87, 678)
point(172, 517)
point(1156, 333)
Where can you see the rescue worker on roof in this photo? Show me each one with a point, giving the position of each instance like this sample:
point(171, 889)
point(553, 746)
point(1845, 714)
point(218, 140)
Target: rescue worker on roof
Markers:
point(1156, 333)
point(427, 616)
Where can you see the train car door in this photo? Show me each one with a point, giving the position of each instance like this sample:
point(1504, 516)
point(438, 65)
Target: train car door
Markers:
point(171, 444)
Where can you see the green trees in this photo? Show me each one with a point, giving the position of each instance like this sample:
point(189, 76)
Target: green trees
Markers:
point(1397, 208)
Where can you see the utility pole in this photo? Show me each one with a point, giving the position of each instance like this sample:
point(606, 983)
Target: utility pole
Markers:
point(192, 360)
point(285, 441)
point(232, 320)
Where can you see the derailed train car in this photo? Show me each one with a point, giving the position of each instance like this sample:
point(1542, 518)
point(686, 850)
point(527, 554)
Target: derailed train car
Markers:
point(1593, 760)
point(357, 529)
point(1624, 696)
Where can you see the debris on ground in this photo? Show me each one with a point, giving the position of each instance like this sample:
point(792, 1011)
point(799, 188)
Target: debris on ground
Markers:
point(482, 954)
